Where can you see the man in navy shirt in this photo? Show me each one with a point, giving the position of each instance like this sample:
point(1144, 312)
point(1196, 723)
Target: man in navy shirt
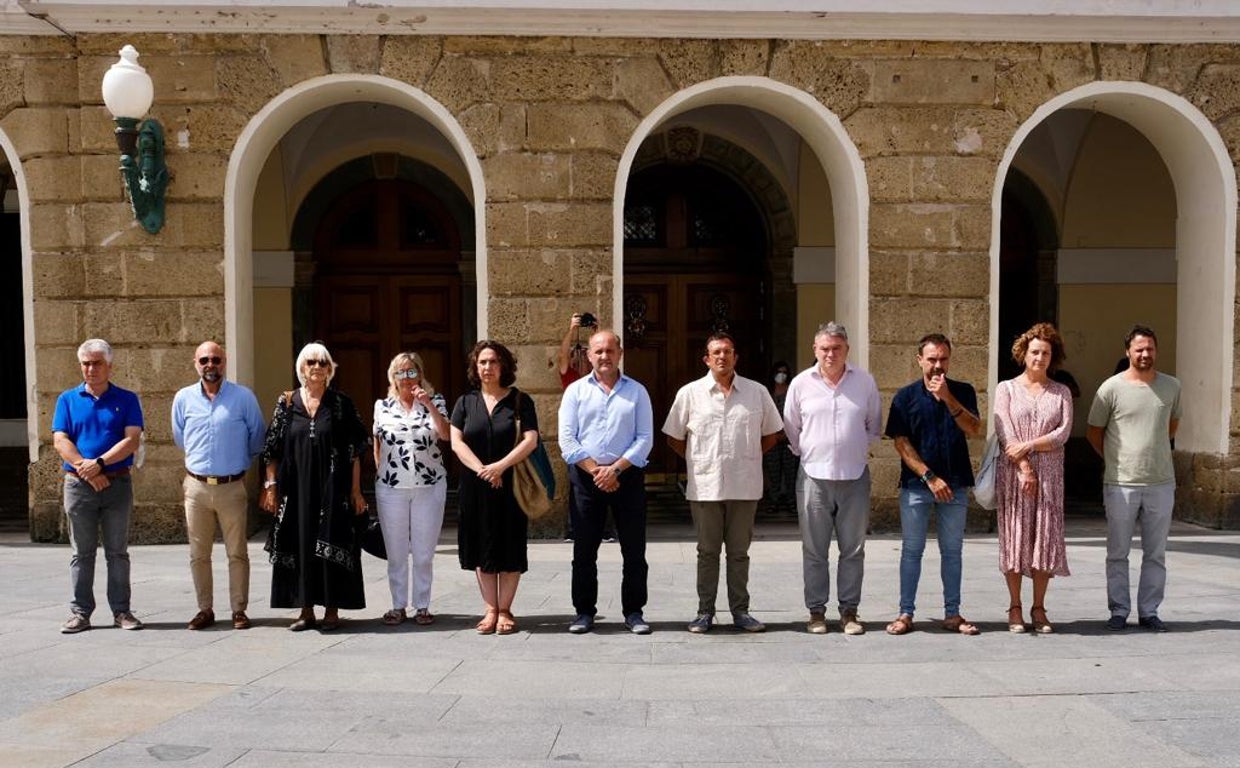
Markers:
point(220, 427)
point(96, 429)
point(930, 420)
point(606, 433)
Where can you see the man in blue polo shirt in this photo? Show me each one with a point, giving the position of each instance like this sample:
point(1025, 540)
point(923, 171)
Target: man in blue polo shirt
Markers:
point(930, 420)
point(220, 427)
point(96, 429)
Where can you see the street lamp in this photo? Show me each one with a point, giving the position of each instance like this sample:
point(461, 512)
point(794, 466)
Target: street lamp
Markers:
point(128, 93)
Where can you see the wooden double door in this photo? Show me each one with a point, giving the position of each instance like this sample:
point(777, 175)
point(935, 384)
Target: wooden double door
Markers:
point(365, 320)
point(667, 320)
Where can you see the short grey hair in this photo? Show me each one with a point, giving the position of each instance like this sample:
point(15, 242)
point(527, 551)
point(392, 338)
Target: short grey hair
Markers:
point(316, 351)
point(95, 346)
point(831, 329)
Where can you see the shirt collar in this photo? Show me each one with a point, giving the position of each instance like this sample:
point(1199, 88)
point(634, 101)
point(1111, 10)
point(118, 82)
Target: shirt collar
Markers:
point(82, 392)
point(816, 372)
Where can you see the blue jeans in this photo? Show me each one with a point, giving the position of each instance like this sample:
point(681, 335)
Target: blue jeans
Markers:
point(89, 513)
point(916, 505)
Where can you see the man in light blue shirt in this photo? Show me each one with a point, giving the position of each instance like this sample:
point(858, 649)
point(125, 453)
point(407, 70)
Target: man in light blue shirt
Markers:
point(606, 433)
point(220, 427)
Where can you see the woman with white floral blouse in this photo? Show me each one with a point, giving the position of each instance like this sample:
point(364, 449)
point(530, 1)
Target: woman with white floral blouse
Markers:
point(411, 483)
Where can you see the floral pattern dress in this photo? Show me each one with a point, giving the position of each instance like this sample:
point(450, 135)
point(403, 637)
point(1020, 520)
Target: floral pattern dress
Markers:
point(1031, 532)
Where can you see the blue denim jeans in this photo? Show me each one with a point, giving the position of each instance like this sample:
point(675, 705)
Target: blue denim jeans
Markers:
point(916, 506)
point(89, 513)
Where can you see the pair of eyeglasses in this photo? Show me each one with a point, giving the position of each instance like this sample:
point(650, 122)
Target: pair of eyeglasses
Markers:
point(212, 360)
point(411, 374)
point(317, 364)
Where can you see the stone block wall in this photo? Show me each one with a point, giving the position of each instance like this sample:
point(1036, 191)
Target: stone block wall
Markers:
point(549, 119)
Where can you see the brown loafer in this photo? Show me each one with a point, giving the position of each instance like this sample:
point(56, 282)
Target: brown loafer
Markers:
point(240, 620)
point(202, 619)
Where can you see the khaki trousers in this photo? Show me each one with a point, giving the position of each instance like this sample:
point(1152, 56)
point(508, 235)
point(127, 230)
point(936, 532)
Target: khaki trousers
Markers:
point(720, 524)
point(205, 506)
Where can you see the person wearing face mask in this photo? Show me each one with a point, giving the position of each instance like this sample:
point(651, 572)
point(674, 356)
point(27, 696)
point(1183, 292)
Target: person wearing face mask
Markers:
point(220, 427)
point(780, 464)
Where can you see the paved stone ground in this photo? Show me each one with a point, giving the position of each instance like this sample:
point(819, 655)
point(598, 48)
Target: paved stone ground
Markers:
point(444, 696)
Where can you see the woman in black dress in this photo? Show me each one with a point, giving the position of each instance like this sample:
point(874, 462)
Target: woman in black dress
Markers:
point(313, 465)
point(492, 529)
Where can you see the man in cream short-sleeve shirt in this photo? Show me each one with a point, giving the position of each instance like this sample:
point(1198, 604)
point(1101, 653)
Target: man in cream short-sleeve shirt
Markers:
point(722, 424)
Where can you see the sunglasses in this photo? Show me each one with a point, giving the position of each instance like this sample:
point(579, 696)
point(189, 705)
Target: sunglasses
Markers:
point(411, 374)
point(317, 364)
point(212, 360)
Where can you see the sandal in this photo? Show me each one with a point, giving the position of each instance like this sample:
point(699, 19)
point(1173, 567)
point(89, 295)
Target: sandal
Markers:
point(487, 625)
point(1016, 623)
point(423, 617)
point(961, 625)
point(1041, 624)
point(330, 623)
point(901, 626)
point(394, 617)
point(302, 624)
point(505, 624)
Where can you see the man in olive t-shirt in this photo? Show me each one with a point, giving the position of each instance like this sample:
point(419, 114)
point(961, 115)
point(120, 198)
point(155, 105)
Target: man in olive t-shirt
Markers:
point(1132, 421)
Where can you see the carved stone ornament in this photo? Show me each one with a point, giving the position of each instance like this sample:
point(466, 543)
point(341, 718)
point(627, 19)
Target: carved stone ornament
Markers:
point(683, 144)
point(635, 309)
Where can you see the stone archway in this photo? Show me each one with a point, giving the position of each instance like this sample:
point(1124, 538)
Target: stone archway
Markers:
point(819, 128)
point(1206, 196)
point(250, 153)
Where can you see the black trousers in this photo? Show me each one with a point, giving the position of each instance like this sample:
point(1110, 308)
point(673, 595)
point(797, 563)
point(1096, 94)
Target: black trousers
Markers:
point(628, 509)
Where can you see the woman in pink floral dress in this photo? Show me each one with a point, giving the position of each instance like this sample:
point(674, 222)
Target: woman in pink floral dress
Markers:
point(1033, 419)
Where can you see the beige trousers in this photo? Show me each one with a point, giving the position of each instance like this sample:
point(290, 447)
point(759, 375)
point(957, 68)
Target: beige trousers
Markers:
point(205, 506)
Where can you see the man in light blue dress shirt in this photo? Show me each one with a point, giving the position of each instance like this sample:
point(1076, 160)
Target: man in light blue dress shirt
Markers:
point(220, 427)
point(606, 433)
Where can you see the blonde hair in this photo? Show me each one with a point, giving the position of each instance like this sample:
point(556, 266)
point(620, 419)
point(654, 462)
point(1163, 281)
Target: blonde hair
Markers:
point(414, 359)
point(314, 351)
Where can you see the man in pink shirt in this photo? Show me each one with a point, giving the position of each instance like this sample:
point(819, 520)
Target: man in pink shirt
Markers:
point(831, 416)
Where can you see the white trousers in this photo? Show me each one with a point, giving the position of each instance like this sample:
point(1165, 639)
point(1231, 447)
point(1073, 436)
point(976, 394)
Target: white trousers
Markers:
point(411, 519)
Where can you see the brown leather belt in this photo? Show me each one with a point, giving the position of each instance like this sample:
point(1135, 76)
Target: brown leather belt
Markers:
point(214, 480)
point(122, 472)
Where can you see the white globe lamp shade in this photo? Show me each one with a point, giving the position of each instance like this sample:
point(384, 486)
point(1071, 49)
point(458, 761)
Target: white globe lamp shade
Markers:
point(127, 88)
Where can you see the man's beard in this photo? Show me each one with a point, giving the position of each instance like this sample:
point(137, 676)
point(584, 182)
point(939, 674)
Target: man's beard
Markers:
point(210, 376)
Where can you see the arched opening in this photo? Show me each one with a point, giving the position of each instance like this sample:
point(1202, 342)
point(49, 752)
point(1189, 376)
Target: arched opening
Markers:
point(1171, 252)
point(796, 138)
point(18, 412)
point(292, 144)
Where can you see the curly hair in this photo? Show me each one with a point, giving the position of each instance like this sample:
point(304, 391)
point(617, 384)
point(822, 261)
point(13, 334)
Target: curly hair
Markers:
point(1042, 332)
point(507, 364)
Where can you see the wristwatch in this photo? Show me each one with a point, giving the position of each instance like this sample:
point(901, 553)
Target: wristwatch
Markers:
point(928, 477)
point(102, 467)
point(615, 470)
point(269, 484)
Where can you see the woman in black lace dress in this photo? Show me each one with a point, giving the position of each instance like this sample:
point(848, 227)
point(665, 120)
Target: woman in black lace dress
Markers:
point(312, 457)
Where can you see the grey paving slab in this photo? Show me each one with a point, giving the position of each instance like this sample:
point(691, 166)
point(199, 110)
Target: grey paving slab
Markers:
point(443, 696)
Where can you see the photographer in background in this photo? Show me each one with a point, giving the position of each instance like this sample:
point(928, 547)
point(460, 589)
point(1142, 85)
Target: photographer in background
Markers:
point(574, 364)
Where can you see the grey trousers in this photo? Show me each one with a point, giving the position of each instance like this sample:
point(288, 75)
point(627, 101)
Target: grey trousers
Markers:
point(842, 508)
point(719, 524)
point(89, 513)
point(1128, 506)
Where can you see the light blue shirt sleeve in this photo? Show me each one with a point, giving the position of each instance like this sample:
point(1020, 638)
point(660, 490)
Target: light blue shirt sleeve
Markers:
point(570, 445)
point(874, 413)
point(643, 433)
point(254, 423)
point(178, 419)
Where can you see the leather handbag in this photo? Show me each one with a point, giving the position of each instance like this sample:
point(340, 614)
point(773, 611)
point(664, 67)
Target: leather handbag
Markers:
point(533, 482)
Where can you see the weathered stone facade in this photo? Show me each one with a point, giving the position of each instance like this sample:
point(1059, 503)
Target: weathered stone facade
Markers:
point(549, 119)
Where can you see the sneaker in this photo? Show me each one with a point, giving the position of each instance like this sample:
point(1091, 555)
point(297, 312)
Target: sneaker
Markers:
point(609, 538)
point(702, 623)
point(817, 624)
point(1153, 623)
point(202, 619)
point(636, 624)
point(240, 620)
point(76, 623)
point(1117, 623)
point(582, 624)
point(747, 623)
point(126, 620)
point(851, 624)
